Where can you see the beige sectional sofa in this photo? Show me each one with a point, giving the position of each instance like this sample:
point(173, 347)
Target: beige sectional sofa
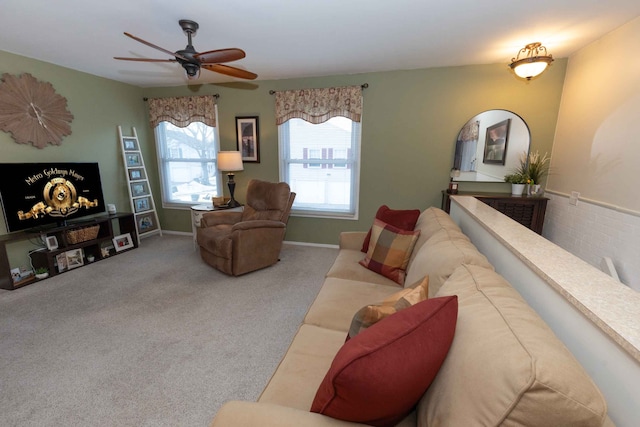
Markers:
point(504, 367)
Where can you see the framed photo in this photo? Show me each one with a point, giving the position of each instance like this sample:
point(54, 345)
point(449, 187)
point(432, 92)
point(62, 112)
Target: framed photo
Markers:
point(122, 242)
point(74, 258)
point(139, 189)
point(146, 223)
point(142, 204)
point(133, 159)
point(51, 242)
point(136, 174)
point(496, 142)
point(247, 138)
point(130, 144)
point(61, 262)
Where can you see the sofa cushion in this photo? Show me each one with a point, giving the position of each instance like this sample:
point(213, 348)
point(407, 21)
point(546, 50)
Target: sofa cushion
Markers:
point(373, 313)
point(431, 221)
point(389, 250)
point(339, 299)
point(506, 366)
point(301, 370)
point(438, 260)
point(403, 219)
point(378, 376)
point(347, 266)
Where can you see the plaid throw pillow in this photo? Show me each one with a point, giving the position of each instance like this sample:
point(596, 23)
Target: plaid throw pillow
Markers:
point(370, 314)
point(389, 250)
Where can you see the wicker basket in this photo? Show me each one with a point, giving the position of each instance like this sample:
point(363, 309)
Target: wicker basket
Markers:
point(80, 235)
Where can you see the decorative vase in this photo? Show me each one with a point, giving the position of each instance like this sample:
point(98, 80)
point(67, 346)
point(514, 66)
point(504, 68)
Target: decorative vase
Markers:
point(42, 275)
point(517, 189)
point(534, 189)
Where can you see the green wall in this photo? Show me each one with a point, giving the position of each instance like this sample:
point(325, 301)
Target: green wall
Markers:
point(410, 123)
point(99, 106)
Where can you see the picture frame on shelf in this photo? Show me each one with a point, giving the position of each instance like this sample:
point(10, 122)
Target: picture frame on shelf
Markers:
point(122, 242)
point(133, 160)
point(51, 242)
point(247, 138)
point(61, 262)
point(146, 223)
point(130, 144)
point(139, 189)
point(137, 174)
point(142, 204)
point(74, 258)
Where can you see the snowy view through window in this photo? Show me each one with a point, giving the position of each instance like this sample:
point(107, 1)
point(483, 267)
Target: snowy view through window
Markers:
point(188, 163)
point(320, 164)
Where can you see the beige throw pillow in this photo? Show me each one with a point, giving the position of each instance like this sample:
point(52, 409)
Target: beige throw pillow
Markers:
point(371, 314)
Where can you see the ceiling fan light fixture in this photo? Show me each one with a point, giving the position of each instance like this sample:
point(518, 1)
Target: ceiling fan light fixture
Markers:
point(531, 61)
point(193, 70)
point(191, 60)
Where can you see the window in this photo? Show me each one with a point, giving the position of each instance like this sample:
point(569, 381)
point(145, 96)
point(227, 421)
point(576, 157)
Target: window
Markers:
point(321, 164)
point(187, 163)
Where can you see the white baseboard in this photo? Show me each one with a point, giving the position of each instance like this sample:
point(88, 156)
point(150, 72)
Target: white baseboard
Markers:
point(317, 245)
point(178, 233)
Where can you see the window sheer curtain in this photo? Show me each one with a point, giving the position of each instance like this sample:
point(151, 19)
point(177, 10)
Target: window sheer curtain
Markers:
point(182, 111)
point(319, 105)
point(466, 147)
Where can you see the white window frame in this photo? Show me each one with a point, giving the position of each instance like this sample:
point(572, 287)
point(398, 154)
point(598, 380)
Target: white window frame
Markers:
point(353, 165)
point(165, 158)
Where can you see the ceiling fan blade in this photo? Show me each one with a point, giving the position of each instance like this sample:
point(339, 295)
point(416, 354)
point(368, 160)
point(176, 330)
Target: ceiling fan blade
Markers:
point(230, 71)
point(144, 59)
point(220, 55)
point(138, 39)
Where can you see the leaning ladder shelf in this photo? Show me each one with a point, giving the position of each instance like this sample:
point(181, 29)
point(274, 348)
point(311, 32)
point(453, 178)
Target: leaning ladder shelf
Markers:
point(140, 195)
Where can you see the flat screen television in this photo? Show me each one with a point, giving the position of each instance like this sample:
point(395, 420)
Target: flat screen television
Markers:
point(35, 195)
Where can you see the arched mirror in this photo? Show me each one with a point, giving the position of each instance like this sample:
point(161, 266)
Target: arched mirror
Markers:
point(489, 146)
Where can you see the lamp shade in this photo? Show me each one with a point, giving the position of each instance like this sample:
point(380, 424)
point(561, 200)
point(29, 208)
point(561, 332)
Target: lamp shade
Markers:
point(229, 161)
point(527, 70)
point(531, 61)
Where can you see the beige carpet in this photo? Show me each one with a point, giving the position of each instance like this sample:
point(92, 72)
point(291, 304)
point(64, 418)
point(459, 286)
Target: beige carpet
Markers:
point(152, 337)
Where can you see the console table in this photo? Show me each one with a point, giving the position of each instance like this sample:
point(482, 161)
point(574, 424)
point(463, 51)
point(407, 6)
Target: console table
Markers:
point(109, 226)
point(527, 210)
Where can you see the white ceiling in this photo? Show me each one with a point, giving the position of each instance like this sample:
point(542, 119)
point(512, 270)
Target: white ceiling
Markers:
point(300, 38)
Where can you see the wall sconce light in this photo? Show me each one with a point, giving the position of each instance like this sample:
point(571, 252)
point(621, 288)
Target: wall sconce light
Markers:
point(531, 61)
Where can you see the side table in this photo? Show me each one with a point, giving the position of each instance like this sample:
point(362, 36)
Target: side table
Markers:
point(198, 211)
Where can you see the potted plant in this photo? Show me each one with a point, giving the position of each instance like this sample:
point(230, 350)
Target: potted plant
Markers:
point(537, 170)
point(517, 180)
point(42, 272)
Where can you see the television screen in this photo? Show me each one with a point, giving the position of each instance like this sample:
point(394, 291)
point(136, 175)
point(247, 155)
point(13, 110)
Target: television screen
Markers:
point(37, 194)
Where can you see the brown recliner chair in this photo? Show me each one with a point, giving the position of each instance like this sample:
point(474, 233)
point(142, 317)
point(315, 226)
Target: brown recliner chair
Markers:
point(240, 242)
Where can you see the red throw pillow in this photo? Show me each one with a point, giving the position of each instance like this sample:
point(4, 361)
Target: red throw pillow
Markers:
point(378, 376)
point(403, 219)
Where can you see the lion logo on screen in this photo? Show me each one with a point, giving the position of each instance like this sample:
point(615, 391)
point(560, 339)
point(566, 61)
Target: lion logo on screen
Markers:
point(60, 200)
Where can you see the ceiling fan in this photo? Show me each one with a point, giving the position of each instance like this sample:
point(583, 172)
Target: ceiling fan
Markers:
point(192, 61)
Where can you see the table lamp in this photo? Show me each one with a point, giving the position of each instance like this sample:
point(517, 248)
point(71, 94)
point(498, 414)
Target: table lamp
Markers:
point(230, 161)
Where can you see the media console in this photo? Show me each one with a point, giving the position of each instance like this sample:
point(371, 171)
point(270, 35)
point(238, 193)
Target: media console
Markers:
point(70, 251)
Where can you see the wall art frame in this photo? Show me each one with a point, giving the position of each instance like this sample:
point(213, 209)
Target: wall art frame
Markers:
point(247, 138)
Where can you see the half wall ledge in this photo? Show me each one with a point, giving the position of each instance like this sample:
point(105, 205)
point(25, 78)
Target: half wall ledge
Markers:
point(596, 317)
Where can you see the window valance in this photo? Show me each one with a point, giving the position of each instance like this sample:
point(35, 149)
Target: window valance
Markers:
point(319, 105)
point(183, 111)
